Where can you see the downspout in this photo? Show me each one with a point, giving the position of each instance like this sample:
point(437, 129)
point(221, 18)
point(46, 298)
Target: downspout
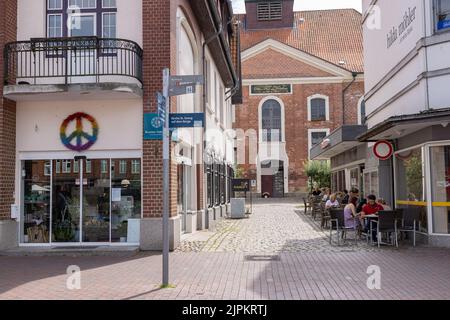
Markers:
point(354, 74)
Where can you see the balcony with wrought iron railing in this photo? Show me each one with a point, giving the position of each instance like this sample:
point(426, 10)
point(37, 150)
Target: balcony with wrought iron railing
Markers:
point(47, 66)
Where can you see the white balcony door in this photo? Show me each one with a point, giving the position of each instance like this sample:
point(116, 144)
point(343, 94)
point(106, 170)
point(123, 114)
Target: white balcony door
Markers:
point(82, 67)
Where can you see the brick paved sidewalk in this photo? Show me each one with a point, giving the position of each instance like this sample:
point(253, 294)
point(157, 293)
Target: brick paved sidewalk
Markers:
point(217, 266)
point(409, 274)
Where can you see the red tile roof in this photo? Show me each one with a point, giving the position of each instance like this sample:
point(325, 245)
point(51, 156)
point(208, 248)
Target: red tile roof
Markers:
point(332, 35)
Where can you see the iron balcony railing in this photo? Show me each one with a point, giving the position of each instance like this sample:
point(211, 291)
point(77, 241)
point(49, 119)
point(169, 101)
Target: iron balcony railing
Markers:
point(72, 60)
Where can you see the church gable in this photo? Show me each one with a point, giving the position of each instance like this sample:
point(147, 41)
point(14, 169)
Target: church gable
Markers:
point(273, 64)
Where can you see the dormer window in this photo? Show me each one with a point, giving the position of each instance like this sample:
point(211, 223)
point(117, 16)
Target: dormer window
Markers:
point(267, 11)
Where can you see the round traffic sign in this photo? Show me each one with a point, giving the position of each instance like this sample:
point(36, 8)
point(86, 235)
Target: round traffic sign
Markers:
point(383, 150)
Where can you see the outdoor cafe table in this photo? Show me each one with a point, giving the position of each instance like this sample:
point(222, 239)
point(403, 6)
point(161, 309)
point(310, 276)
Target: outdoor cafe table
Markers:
point(370, 217)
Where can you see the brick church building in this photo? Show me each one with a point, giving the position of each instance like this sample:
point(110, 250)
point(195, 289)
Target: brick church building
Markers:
point(302, 79)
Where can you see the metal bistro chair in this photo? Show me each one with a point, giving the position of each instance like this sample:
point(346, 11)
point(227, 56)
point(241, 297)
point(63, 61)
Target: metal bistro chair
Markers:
point(410, 222)
point(316, 208)
point(386, 223)
point(307, 205)
point(324, 216)
point(337, 223)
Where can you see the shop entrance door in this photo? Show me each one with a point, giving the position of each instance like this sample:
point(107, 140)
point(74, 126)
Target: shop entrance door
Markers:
point(81, 201)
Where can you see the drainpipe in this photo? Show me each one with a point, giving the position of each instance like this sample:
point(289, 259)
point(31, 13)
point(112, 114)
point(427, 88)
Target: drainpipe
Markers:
point(354, 75)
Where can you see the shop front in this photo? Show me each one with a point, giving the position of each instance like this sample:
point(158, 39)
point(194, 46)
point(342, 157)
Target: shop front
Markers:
point(420, 169)
point(79, 177)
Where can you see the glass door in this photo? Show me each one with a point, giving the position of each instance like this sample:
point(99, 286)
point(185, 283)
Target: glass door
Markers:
point(66, 202)
point(96, 200)
point(82, 59)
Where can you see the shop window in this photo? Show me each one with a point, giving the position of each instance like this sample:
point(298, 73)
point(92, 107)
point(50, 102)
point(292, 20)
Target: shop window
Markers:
point(318, 108)
point(354, 178)
point(47, 168)
point(209, 188)
point(440, 188)
point(35, 224)
point(410, 183)
point(76, 166)
point(371, 183)
point(442, 8)
point(271, 121)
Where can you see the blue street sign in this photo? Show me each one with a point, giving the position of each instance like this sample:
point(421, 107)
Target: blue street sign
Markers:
point(186, 120)
point(153, 127)
point(444, 24)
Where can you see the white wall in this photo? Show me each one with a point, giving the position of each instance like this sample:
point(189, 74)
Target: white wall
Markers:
point(32, 20)
point(38, 124)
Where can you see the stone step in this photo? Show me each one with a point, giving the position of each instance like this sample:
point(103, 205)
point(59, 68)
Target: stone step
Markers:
point(72, 251)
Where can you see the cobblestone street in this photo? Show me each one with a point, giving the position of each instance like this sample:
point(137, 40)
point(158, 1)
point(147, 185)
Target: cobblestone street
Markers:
point(274, 227)
point(277, 253)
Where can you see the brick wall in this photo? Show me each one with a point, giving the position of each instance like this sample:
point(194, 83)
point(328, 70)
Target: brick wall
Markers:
point(297, 124)
point(160, 51)
point(8, 31)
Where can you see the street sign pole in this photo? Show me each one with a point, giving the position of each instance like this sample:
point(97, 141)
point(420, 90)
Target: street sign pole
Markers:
point(166, 164)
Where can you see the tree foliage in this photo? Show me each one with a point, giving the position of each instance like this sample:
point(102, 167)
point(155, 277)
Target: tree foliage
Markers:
point(319, 173)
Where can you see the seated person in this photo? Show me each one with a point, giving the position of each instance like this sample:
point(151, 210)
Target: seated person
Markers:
point(371, 208)
point(350, 214)
point(383, 203)
point(346, 198)
point(332, 202)
point(316, 192)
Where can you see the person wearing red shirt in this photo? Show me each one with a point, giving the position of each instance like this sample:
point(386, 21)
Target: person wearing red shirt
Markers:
point(371, 208)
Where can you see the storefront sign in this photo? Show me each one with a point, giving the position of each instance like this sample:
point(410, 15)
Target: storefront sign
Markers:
point(404, 28)
point(241, 185)
point(153, 127)
point(383, 150)
point(271, 89)
point(186, 120)
point(79, 140)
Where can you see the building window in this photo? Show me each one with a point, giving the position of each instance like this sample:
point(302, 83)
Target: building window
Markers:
point(271, 121)
point(104, 166)
point(123, 167)
point(442, 14)
point(76, 166)
point(440, 188)
point(88, 166)
point(315, 137)
point(267, 11)
point(82, 19)
point(47, 168)
point(362, 112)
point(58, 166)
point(318, 108)
point(209, 180)
point(136, 167)
point(66, 166)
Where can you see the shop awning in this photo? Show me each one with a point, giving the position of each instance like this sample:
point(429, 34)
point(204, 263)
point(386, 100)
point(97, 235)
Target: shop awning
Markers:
point(400, 126)
point(339, 141)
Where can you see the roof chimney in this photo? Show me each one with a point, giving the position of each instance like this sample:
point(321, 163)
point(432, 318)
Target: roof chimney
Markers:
point(269, 14)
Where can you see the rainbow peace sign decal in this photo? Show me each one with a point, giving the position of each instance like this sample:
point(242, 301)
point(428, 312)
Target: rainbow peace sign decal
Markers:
point(75, 140)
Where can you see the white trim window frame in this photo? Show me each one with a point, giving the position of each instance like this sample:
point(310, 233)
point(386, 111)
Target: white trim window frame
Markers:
point(54, 28)
point(260, 119)
point(310, 132)
point(327, 106)
point(360, 118)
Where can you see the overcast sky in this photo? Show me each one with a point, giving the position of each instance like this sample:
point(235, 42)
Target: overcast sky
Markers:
point(239, 6)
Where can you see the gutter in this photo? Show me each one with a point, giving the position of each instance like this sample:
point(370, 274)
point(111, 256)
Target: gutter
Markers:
point(213, 10)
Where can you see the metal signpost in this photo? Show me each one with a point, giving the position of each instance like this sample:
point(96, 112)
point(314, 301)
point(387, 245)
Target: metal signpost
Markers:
point(173, 86)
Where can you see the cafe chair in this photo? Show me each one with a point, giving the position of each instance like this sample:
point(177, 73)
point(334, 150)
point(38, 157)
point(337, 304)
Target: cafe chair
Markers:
point(337, 223)
point(387, 224)
point(410, 222)
point(307, 205)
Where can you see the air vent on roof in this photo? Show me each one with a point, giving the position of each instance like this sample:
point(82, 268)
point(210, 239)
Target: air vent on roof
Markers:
point(267, 11)
point(342, 62)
